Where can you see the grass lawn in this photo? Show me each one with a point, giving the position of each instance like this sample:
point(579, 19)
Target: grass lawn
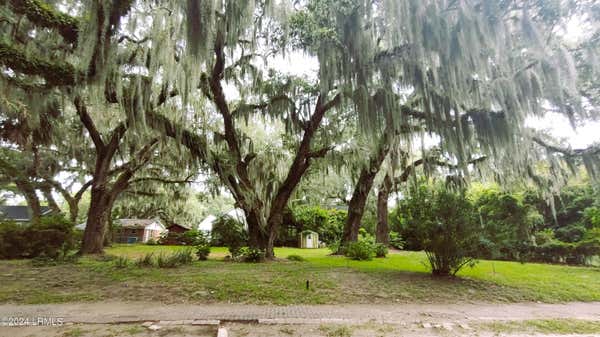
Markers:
point(400, 278)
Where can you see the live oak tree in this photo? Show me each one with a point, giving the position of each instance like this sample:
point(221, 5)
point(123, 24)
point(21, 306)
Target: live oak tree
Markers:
point(78, 63)
point(219, 89)
point(146, 77)
point(467, 72)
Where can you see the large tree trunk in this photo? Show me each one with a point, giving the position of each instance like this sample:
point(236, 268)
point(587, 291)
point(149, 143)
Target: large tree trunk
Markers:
point(382, 233)
point(356, 206)
point(33, 202)
point(98, 214)
point(256, 237)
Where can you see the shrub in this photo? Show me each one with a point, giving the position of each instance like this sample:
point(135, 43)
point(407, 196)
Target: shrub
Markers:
point(591, 217)
point(380, 249)
point(146, 260)
point(571, 233)
point(295, 257)
point(230, 233)
point(151, 242)
point(202, 251)
point(445, 224)
point(360, 250)
point(122, 262)
point(337, 248)
point(507, 223)
point(396, 240)
point(192, 237)
point(249, 254)
point(52, 237)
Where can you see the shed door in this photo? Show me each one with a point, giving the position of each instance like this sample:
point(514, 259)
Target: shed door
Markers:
point(309, 241)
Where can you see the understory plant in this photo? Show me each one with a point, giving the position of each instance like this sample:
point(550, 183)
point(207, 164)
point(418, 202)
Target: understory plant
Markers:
point(250, 254)
point(365, 248)
point(360, 250)
point(202, 251)
point(229, 232)
point(446, 225)
point(51, 238)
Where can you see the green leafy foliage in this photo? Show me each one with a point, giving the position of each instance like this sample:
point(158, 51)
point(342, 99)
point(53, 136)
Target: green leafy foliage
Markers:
point(381, 250)
point(365, 248)
point(507, 223)
point(251, 254)
point(360, 250)
point(445, 225)
point(571, 233)
point(396, 240)
point(229, 232)
point(191, 237)
point(329, 223)
point(202, 252)
point(591, 217)
point(52, 237)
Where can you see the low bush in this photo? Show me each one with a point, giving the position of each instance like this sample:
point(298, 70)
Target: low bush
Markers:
point(202, 251)
point(249, 254)
point(151, 242)
point(396, 240)
point(229, 232)
point(380, 249)
point(52, 237)
point(297, 258)
point(360, 250)
point(336, 248)
point(444, 223)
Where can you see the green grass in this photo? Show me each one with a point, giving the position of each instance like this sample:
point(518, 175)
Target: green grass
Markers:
point(555, 326)
point(399, 278)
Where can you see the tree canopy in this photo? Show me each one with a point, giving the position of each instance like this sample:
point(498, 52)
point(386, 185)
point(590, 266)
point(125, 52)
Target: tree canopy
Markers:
point(140, 98)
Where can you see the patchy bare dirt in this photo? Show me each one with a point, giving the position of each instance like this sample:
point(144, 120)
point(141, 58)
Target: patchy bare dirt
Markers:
point(264, 330)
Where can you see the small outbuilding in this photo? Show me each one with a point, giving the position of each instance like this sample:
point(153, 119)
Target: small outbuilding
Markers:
point(309, 239)
point(178, 228)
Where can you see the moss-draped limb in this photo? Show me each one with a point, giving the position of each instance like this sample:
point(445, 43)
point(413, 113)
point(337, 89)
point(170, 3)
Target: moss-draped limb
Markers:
point(42, 14)
point(54, 72)
point(194, 143)
point(591, 150)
